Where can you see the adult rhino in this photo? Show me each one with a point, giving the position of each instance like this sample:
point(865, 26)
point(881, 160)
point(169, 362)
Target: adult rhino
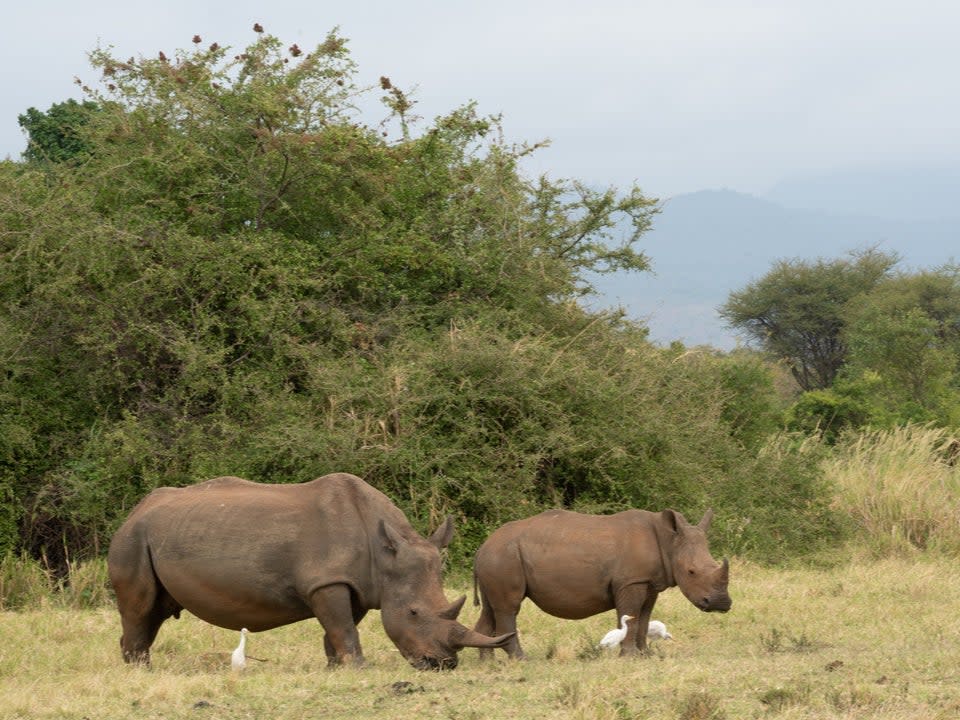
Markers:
point(242, 554)
point(573, 566)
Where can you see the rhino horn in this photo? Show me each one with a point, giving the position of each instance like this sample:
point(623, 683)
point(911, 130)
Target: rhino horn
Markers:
point(462, 636)
point(724, 572)
point(453, 609)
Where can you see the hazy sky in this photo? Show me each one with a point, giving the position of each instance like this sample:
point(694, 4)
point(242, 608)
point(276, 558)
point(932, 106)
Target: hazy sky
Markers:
point(675, 95)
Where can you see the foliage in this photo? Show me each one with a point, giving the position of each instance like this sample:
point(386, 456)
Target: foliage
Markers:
point(9, 518)
point(752, 406)
point(778, 504)
point(57, 134)
point(23, 582)
point(243, 277)
point(796, 312)
point(827, 413)
point(905, 335)
point(903, 340)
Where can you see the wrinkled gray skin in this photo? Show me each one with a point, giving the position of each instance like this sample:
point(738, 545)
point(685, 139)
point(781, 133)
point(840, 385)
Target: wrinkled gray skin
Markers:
point(241, 554)
point(573, 566)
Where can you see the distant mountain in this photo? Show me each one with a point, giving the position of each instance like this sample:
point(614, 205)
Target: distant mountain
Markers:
point(707, 244)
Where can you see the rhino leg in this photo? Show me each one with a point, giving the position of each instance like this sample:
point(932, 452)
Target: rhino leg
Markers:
point(485, 625)
point(506, 622)
point(503, 586)
point(492, 623)
point(333, 607)
point(636, 600)
point(140, 627)
point(143, 602)
point(498, 622)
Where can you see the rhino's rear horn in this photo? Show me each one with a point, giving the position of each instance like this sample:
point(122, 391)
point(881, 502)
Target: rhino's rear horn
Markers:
point(453, 609)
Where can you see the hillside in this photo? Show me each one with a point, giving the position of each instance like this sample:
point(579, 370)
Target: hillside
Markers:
point(707, 244)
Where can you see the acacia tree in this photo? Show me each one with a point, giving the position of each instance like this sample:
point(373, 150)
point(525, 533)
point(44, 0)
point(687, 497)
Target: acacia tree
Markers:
point(797, 311)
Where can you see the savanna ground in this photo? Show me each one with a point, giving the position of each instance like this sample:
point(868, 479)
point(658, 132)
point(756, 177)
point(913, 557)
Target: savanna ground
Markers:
point(865, 639)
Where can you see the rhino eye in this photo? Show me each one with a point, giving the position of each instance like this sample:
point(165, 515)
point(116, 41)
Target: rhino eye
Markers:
point(692, 571)
point(413, 612)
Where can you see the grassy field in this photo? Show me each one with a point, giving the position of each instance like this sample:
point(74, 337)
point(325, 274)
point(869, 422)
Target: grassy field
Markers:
point(872, 639)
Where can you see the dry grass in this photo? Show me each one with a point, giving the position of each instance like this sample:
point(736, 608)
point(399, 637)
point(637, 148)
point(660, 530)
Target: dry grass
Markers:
point(902, 488)
point(872, 638)
point(879, 639)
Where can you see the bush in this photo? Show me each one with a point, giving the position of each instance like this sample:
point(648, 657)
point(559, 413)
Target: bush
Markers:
point(238, 276)
point(827, 414)
point(87, 585)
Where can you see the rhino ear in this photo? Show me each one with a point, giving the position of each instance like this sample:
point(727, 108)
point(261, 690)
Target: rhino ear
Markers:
point(675, 521)
point(704, 523)
point(391, 539)
point(444, 534)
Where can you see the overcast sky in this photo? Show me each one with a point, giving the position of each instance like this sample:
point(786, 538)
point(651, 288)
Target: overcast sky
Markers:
point(675, 95)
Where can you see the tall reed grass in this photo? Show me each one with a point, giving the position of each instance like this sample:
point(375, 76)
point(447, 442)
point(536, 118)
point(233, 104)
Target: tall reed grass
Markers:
point(901, 487)
point(26, 583)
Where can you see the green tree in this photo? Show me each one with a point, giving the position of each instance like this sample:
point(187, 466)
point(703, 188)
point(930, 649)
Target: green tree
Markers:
point(905, 334)
point(236, 258)
point(796, 312)
point(57, 135)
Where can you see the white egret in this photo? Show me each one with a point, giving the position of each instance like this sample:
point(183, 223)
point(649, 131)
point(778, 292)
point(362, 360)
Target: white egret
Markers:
point(238, 660)
point(615, 637)
point(656, 630)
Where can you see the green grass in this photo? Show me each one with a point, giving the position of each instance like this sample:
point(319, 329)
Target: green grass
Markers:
point(877, 639)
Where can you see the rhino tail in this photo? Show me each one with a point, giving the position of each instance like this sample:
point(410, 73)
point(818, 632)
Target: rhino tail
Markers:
point(476, 595)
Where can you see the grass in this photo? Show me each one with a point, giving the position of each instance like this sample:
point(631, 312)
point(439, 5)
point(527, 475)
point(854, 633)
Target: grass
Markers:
point(872, 639)
point(876, 636)
point(901, 487)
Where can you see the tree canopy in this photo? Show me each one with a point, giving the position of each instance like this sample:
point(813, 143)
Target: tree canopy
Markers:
point(870, 344)
point(240, 274)
point(57, 134)
point(796, 312)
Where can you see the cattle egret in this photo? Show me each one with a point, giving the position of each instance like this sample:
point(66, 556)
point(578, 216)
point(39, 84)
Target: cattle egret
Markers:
point(656, 630)
point(238, 660)
point(615, 637)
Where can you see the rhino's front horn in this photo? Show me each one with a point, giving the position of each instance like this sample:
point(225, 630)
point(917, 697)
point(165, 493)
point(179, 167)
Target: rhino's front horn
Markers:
point(461, 637)
point(725, 572)
point(453, 610)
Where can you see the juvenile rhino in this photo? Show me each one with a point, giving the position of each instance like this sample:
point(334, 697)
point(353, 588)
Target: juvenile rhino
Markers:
point(573, 566)
point(239, 554)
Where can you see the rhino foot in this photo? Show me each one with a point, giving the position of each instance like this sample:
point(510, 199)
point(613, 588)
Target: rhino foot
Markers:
point(334, 662)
